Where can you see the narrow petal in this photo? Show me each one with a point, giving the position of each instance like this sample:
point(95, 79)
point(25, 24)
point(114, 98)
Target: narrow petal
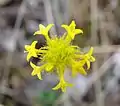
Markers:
point(29, 56)
point(49, 27)
point(34, 54)
point(79, 56)
point(27, 47)
point(78, 31)
point(43, 48)
point(72, 36)
point(77, 47)
point(65, 85)
point(82, 71)
point(39, 76)
point(34, 72)
point(62, 84)
point(63, 36)
point(65, 27)
point(57, 86)
point(34, 44)
point(41, 27)
point(42, 51)
point(37, 33)
point(33, 65)
point(63, 89)
point(92, 59)
point(88, 65)
point(82, 63)
point(90, 51)
point(72, 25)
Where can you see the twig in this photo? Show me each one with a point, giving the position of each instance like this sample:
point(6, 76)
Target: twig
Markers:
point(94, 19)
point(106, 49)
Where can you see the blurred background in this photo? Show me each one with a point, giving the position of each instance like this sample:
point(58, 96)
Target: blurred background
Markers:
point(100, 21)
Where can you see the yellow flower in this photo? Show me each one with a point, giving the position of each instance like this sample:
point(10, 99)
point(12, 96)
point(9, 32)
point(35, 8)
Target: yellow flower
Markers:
point(59, 54)
point(71, 30)
point(32, 52)
point(77, 67)
point(37, 70)
point(62, 84)
point(88, 57)
point(44, 30)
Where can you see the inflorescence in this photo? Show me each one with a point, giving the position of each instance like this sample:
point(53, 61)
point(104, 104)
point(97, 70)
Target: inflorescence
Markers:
point(59, 54)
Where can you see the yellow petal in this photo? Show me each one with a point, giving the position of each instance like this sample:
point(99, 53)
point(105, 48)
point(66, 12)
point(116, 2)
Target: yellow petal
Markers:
point(90, 51)
point(62, 84)
point(63, 36)
point(65, 27)
point(49, 27)
point(65, 85)
point(34, 72)
point(82, 63)
point(63, 89)
point(57, 87)
point(82, 71)
point(27, 47)
point(77, 47)
point(78, 31)
point(78, 56)
point(34, 44)
point(34, 54)
point(45, 47)
point(33, 65)
point(39, 76)
point(29, 56)
point(73, 22)
point(88, 65)
point(92, 59)
point(72, 25)
point(41, 27)
point(37, 33)
point(72, 36)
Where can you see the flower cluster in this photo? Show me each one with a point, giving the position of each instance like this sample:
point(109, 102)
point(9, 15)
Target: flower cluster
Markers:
point(59, 54)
